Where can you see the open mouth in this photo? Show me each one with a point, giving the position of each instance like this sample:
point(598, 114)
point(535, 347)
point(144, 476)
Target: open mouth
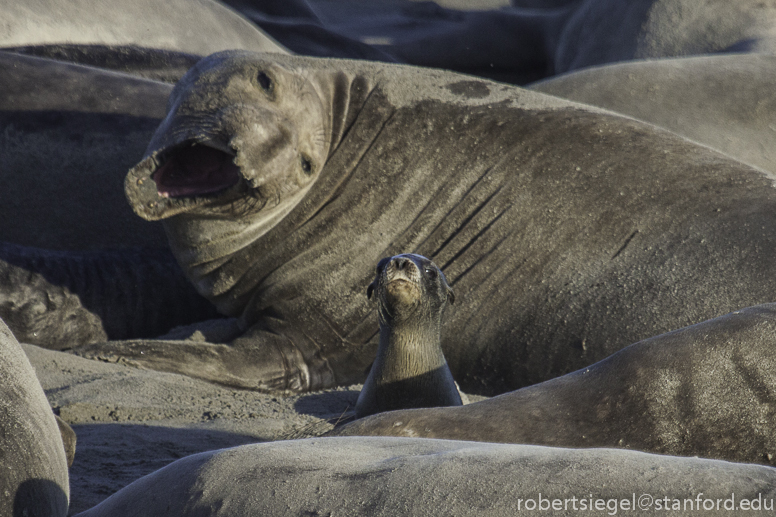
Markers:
point(194, 170)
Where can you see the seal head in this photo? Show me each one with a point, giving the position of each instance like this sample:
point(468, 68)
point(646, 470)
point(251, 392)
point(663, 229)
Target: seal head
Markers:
point(244, 139)
point(224, 118)
point(410, 370)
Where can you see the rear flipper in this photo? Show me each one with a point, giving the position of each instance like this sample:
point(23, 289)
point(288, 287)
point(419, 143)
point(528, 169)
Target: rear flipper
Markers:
point(60, 299)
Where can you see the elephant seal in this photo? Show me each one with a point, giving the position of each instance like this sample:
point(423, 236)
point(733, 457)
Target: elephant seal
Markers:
point(196, 27)
point(722, 101)
point(69, 440)
point(155, 64)
point(567, 232)
point(34, 477)
point(67, 135)
point(608, 31)
point(400, 476)
point(410, 370)
point(527, 41)
point(705, 390)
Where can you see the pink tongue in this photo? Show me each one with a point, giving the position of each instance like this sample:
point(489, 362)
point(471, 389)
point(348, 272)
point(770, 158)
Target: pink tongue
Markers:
point(196, 170)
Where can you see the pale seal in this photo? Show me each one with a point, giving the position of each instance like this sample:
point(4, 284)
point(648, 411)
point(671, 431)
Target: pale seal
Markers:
point(705, 390)
point(723, 101)
point(196, 27)
point(567, 233)
point(34, 477)
point(397, 476)
point(410, 368)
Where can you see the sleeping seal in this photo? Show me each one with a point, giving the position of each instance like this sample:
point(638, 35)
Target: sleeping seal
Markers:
point(723, 101)
point(705, 390)
point(568, 233)
point(401, 476)
point(410, 370)
point(34, 477)
point(194, 26)
point(67, 135)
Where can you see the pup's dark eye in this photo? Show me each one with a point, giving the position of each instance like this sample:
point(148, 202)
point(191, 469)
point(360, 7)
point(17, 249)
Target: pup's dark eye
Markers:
point(431, 272)
point(307, 166)
point(264, 81)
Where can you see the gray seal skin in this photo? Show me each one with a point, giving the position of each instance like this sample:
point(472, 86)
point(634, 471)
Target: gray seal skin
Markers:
point(722, 101)
point(410, 370)
point(194, 26)
point(568, 233)
point(155, 64)
point(705, 390)
point(525, 42)
point(34, 477)
point(405, 476)
point(67, 135)
point(600, 31)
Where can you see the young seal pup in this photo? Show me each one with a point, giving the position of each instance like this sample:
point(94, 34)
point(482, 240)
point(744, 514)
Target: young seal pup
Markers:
point(410, 370)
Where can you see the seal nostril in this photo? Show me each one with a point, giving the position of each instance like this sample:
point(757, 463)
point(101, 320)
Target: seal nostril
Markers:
point(264, 81)
point(401, 263)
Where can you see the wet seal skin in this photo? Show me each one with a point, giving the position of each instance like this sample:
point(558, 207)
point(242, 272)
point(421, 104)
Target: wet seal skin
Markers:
point(410, 370)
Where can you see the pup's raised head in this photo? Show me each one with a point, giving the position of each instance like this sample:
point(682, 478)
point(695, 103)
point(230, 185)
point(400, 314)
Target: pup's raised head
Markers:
point(409, 285)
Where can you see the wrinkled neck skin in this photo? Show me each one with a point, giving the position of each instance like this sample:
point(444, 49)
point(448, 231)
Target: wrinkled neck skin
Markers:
point(411, 345)
point(212, 249)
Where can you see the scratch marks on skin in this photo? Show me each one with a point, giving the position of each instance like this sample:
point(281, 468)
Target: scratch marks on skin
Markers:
point(625, 244)
point(476, 236)
point(466, 221)
point(761, 389)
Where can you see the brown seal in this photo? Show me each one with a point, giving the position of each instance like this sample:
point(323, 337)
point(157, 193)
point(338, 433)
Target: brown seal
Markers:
point(705, 390)
point(410, 370)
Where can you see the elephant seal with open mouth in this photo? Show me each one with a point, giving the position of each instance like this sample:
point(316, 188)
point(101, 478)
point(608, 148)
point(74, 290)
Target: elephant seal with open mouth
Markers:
point(568, 233)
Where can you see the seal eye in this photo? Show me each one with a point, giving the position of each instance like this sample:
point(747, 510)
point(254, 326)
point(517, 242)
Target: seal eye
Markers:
point(264, 81)
point(307, 166)
point(431, 272)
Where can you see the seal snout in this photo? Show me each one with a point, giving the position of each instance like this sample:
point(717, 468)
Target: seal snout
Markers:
point(402, 276)
point(407, 280)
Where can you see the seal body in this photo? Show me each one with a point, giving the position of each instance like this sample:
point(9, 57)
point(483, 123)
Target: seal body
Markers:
point(410, 369)
point(722, 101)
point(389, 476)
point(198, 27)
point(705, 390)
point(67, 135)
point(34, 477)
point(568, 233)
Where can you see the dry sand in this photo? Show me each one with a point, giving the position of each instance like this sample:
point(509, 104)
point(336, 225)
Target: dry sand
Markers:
point(131, 422)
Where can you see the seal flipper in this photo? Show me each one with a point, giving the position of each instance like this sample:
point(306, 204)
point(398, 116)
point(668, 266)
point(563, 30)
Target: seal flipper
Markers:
point(257, 360)
point(60, 299)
